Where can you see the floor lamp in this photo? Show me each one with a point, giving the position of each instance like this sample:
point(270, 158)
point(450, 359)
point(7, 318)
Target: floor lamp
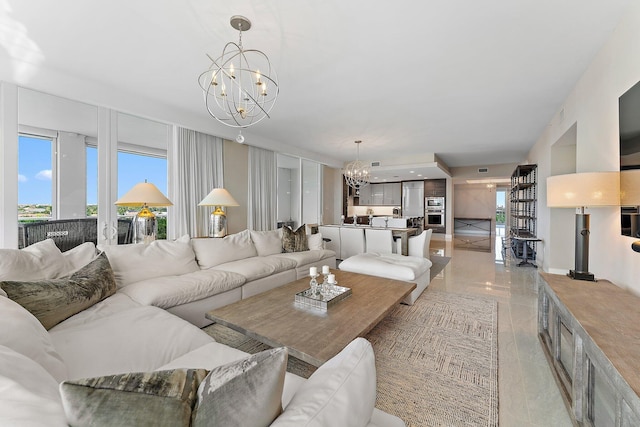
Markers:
point(582, 190)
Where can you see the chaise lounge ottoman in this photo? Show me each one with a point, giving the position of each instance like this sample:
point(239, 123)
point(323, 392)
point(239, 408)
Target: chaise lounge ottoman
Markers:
point(392, 266)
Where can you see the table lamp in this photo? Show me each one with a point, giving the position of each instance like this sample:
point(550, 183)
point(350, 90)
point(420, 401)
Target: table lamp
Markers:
point(145, 194)
point(580, 190)
point(218, 197)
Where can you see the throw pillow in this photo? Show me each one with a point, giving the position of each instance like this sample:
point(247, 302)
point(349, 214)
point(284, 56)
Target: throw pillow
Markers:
point(54, 300)
point(161, 398)
point(79, 256)
point(342, 392)
point(28, 393)
point(243, 393)
point(22, 332)
point(294, 241)
point(42, 260)
point(215, 251)
point(135, 262)
point(267, 242)
point(315, 242)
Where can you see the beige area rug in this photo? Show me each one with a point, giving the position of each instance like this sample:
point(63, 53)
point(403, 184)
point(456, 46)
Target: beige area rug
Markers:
point(437, 361)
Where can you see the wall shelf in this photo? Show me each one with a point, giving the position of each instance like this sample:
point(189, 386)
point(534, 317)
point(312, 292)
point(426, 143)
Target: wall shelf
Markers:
point(523, 200)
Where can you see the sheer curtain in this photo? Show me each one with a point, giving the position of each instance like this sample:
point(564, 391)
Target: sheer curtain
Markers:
point(195, 168)
point(262, 189)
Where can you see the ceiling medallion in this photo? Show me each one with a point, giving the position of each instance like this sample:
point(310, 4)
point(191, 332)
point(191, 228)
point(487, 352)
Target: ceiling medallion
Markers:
point(240, 87)
point(356, 173)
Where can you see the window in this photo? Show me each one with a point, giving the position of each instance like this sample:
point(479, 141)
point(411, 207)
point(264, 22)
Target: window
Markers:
point(35, 184)
point(92, 181)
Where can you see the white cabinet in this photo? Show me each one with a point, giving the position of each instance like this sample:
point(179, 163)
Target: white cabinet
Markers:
point(391, 194)
point(365, 195)
point(377, 194)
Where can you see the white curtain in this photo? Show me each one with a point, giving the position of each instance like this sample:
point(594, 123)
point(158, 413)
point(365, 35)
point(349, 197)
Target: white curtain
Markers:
point(262, 189)
point(195, 168)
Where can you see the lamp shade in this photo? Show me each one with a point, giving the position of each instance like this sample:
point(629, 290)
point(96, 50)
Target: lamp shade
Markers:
point(583, 189)
point(218, 197)
point(630, 187)
point(142, 194)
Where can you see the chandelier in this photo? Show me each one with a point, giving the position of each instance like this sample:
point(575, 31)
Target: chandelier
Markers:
point(240, 87)
point(356, 173)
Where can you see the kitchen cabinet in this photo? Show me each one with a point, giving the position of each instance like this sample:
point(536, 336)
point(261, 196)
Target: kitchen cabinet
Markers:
point(435, 188)
point(365, 195)
point(383, 194)
point(392, 194)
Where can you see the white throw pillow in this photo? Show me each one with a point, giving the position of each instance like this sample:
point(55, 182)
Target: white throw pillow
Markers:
point(315, 242)
point(135, 262)
point(215, 251)
point(80, 256)
point(42, 260)
point(342, 392)
point(28, 394)
point(267, 242)
point(22, 332)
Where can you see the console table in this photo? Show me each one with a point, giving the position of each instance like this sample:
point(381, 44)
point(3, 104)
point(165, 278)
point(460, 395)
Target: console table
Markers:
point(590, 333)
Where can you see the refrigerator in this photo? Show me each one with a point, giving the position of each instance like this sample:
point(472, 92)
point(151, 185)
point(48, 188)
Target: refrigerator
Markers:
point(413, 199)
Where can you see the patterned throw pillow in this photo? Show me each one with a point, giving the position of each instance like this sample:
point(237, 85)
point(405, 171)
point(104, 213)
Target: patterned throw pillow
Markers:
point(247, 392)
point(294, 241)
point(161, 398)
point(54, 300)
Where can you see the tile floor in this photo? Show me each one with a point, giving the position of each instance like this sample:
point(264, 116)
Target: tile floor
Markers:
point(528, 393)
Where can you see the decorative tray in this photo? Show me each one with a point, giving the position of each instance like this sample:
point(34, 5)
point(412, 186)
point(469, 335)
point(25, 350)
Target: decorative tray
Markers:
point(322, 301)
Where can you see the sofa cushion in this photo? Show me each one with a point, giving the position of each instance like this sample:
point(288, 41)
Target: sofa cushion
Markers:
point(257, 267)
point(315, 242)
point(22, 332)
point(80, 256)
point(161, 398)
point(340, 392)
point(28, 393)
point(294, 241)
point(215, 251)
point(54, 300)
point(304, 258)
point(244, 393)
point(42, 260)
point(169, 291)
point(135, 262)
point(116, 303)
point(137, 340)
point(267, 242)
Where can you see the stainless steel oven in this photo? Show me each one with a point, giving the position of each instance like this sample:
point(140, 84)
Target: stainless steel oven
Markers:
point(434, 218)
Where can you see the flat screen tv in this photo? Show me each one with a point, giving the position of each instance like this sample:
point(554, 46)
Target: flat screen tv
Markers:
point(629, 110)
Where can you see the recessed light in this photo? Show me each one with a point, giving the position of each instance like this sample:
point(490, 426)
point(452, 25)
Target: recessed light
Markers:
point(419, 174)
point(412, 171)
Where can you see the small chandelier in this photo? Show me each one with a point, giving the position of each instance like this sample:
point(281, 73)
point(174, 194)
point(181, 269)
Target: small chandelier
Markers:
point(356, 173)
point(240, 87)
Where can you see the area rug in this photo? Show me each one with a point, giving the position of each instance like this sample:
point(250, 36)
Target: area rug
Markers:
point(436, 361)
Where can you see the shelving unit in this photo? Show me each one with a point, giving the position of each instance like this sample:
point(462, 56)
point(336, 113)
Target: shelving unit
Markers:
point(523, 213)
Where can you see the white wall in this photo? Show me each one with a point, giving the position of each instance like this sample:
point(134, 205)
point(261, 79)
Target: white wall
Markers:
point(593, 107)
point(474, 201)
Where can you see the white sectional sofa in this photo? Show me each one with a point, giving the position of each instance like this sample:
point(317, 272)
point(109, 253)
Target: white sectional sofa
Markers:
point(189, 277)
point(117, 335)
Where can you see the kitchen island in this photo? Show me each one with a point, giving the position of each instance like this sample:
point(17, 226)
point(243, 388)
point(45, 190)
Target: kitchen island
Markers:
point(398, 232)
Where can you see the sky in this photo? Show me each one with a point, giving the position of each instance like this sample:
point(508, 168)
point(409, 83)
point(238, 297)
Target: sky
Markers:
point(35, 163)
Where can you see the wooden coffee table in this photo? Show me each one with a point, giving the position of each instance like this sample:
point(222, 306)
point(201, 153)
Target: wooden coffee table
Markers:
point(310, 334)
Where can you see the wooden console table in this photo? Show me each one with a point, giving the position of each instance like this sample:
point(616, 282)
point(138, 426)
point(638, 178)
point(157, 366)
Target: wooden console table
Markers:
point(590, 332)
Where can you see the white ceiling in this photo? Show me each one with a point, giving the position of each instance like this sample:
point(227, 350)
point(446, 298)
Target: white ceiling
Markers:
point(473, 81)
